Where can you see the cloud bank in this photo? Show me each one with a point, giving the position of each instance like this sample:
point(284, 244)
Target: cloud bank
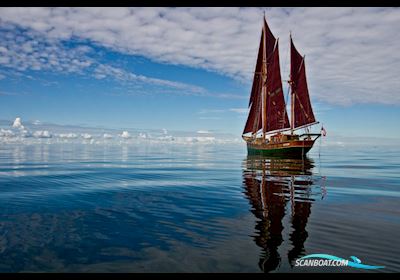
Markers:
point(351, 53)
point(50, 134)
point(68, 135)
point(25, 49)
point(42, 134)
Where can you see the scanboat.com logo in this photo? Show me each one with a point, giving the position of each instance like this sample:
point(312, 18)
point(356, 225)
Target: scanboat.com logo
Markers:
point(329, 260)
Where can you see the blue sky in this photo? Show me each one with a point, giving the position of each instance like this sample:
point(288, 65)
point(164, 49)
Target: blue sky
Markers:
point(191, 68)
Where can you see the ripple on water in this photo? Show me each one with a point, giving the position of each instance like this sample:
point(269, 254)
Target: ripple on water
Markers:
point(141, 208)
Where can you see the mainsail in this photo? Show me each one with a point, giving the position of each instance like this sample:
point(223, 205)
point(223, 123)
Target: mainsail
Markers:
point(303, 113)
point(273, 103)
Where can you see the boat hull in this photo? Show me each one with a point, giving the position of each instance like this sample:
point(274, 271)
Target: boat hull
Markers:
point(293, 149)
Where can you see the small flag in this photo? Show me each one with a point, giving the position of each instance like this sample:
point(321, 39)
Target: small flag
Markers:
point(323, 131)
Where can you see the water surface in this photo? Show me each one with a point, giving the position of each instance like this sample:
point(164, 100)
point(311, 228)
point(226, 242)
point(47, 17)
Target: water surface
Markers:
point(194, 208)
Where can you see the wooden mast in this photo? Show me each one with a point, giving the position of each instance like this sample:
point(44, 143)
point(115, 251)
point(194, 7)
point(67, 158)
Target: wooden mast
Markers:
point(291, 100)
point(264, 86)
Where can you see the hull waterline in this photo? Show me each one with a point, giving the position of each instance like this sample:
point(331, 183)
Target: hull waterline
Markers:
point(291, 149)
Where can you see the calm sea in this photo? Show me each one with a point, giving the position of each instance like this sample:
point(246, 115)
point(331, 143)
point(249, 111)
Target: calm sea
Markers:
point(194, 208)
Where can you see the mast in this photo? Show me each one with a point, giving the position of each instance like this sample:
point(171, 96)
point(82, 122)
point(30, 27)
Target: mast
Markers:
point(291, 99)
point(291, 111)
point(264, 80)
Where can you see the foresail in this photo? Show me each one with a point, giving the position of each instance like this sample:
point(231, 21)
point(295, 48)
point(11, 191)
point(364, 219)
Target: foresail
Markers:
point(277, 117)
point(303, 113)
point(257, 72)
point(253, 123)
point(269, 47)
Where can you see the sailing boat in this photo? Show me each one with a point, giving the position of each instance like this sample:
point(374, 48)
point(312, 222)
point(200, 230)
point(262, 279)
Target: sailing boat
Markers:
point(267, 117)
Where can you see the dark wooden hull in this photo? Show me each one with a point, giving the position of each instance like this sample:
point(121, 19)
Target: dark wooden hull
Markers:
point(296, 148)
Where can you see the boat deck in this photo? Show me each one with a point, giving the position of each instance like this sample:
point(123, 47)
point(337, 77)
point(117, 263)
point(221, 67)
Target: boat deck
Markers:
point(282, 145)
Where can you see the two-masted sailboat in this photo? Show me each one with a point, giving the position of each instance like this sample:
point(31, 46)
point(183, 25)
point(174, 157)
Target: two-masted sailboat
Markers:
point(267, 117)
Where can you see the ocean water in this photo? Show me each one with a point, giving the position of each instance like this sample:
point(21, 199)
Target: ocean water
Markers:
point(195, 208)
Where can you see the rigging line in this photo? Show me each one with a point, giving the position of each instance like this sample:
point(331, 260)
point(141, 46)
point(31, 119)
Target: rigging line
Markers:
point(302, 107)
point(301, 64)
point(283, 117)
point(286, 101)
point(257, 118)
point(269, 105)
point(287, 96)
point(319, 156)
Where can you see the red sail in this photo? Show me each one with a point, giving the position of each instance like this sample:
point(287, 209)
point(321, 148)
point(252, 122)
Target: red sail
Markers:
point(254, 123)
point(269, 41)
point(257, 71)
point(303, 113)
point(254, 120)
point(277, 117)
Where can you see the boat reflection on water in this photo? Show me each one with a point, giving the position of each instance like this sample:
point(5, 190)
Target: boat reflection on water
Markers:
point(276, 187)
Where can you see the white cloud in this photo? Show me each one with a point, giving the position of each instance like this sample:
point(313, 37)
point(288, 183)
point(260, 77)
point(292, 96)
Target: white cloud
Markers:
point(203, 132)
point(351, 53)
point(55, 133)
point(86, 136)
point(107, 136)
point(24, 50)
point(25, 133)
point(6, 133)
point(31, 50)
point(239, 110)
point(42, 134)
point(17, 123)
point(125, 134)
point(103, 71)
point(205, 139)
point(143, 135)
point(211, 111)
point(167, 138)
point(68, 135)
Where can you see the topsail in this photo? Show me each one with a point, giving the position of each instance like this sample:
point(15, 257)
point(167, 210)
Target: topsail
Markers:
point(303, 113)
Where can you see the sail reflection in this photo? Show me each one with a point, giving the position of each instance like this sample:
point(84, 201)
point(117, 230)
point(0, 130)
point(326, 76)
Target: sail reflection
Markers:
point(276, 187)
